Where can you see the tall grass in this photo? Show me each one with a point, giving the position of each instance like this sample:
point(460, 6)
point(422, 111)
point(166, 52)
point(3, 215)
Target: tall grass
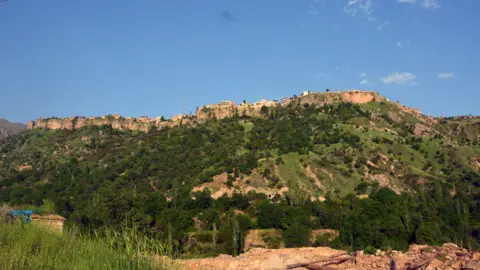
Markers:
point(28, 246)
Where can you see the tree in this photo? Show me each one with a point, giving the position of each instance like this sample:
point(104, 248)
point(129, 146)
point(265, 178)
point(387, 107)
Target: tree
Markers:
point(264, 110)
point(361, 188)
point(297, 235)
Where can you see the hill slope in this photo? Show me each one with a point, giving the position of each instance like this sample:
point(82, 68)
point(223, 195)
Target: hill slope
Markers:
point(313, 148)
point(302, 148)
point(9, 129)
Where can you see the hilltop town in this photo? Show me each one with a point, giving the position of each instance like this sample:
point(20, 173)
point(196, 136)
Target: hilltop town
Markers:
point(223, 109)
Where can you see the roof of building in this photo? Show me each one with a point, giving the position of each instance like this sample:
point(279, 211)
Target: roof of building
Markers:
point(48, 217)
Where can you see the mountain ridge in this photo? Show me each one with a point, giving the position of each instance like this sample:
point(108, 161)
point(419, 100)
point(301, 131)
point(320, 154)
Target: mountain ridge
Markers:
point(347, 117)
point(8, 128)
point(223, 109)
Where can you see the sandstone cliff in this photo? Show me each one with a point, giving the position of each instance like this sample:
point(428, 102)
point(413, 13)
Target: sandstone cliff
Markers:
point(71, 123)
point(354, 96)
point(222, 110)
point(225, 111)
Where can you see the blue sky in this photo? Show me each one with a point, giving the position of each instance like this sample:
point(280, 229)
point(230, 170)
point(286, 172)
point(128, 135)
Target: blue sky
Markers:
point(66, 58)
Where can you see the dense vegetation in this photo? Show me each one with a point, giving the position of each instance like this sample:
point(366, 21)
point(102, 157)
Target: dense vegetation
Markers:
point(422, 189)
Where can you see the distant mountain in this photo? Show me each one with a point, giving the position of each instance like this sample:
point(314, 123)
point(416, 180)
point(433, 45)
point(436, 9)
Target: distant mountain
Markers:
point(8, 129)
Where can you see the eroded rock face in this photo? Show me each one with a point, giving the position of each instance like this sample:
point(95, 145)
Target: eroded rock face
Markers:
point(218, 111)
point(225, 111)
point(142, 124)
point(354, 96)
point(422, 130)
point(357, 96)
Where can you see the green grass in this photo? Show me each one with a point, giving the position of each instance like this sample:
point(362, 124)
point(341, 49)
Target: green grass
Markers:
point(28, 246)
point(247, 125)
point(290, 170)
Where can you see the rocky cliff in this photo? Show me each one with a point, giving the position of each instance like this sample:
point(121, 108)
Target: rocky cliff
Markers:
point(225, 111)
point(218, 111)
point(354, 96)
point(142, 123)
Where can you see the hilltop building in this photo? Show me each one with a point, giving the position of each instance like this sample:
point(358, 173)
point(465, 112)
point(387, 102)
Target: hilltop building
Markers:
point(306, 93)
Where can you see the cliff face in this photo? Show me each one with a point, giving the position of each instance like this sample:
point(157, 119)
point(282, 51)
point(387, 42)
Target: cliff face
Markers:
point(71, 123)
point(226, 111)
point(354, 96)
point(218, 111)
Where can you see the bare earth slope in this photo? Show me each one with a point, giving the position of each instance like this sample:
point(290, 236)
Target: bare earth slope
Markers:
point(448, 256)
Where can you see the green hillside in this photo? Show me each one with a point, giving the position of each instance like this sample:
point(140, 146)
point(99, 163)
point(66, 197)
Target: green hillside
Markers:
point(293, 155)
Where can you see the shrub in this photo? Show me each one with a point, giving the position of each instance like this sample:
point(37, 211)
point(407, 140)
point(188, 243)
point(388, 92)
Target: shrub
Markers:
point(272, 240)
point(297, 235)
point(323, 240)
point(370, 250)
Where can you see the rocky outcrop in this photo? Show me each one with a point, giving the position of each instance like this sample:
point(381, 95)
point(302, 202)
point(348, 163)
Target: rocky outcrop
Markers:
point(142, 123)
point(218, 186)
point(448, 256)
point(357, 96)
point(354, 96)
point(220, 111)
point(422, 130)
point(224, 109)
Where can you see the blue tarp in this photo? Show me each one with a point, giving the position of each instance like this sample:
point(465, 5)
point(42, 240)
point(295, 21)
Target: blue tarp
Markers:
point(24, 214)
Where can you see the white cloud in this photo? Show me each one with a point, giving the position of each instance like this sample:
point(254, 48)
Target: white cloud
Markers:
point(363, 74)
point(443, 75)
point(400, 78)
point(383, 25)
point(364, 8)
point(399, 44)
point(430, 4)
point(364, 81)
point(355, 6)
